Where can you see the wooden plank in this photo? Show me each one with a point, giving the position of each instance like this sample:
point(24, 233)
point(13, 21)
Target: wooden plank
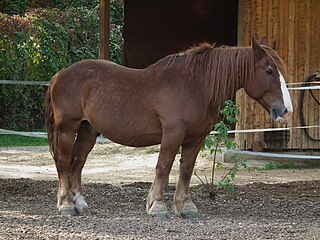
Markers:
point(300, 56)
point(272, 31)
point(257, 31)
point(261, 118)
point(251, 111)
point(310, 102)
point(270, 23)
point(308, 144)
point(240, 36)
point(315, 60)
point(244, 38)
point(291, 70)
point(241, 21)
point(297, 134)
point(283, 31)
point(302, 30)
point(282, 43)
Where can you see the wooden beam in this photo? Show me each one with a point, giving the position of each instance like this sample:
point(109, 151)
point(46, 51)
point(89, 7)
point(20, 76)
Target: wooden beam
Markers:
point(104, 29)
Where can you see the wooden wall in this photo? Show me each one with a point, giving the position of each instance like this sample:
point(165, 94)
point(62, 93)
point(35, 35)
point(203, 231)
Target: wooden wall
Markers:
point(293, 30)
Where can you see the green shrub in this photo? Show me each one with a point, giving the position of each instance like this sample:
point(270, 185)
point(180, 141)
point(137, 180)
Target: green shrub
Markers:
point(63, 4)
point(29, 50)
point(41, 43)
point(82, 26)
point(13, 6)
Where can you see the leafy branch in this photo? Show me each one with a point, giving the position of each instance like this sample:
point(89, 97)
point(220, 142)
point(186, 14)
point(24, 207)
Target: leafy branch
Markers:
point(215, 143)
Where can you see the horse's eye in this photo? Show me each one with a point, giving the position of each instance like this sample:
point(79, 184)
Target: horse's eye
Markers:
point(269, 72)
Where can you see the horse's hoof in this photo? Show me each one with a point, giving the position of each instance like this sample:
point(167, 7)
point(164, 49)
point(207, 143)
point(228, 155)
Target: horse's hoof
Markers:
point(190, 215)
point(68, 211)
point(160, 215)
point(84, 211)
point(188, 211)
point(158, 210)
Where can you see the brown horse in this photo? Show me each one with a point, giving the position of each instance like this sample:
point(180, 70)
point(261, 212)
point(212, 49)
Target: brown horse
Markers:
point(174, 102)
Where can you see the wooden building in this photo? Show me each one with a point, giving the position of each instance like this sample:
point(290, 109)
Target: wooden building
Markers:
point(156, 28)
point(292, 27)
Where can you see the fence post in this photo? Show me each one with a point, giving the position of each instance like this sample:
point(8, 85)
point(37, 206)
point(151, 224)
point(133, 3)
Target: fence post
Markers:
point(104, 29)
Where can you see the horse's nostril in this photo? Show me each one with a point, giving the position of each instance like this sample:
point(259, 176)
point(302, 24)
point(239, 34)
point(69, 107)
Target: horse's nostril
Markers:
point(279, 111)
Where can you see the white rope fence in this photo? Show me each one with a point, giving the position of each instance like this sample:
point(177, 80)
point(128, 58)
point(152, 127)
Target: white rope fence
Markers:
point(266, 129)
point(44, 83)
point(40, 135)
point(44, 134)
point(25, 134)
point(35, 83)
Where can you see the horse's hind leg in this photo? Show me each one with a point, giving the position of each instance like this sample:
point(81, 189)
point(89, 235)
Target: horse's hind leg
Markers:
point(85, 141)
point(183, 205)
point(65, 140)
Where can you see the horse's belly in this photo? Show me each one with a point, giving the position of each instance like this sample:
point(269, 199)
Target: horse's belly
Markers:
point(135, 133)
point(138, 140)
point(133, 137)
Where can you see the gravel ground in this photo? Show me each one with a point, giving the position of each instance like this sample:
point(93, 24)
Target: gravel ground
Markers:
point(278, 204)
point(258, 211)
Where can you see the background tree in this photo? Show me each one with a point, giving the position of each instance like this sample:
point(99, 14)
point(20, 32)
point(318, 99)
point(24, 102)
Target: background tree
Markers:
point(41, 37)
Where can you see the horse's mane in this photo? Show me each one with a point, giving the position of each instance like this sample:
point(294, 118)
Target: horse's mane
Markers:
point(224, 68)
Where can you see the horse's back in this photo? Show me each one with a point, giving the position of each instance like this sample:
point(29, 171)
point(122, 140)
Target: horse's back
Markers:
point(129, 106)
point(115, 100)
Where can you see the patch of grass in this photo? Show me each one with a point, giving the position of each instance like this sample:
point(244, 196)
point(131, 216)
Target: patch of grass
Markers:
point(17, 141)
point(289, 165)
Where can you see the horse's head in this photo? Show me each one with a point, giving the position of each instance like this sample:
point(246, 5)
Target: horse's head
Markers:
point(268, 86)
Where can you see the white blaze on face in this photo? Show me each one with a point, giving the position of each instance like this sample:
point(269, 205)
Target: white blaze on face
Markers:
point(285, 93)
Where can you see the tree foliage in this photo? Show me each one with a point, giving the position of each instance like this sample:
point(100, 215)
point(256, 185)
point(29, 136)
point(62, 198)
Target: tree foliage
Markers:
point(45, 38)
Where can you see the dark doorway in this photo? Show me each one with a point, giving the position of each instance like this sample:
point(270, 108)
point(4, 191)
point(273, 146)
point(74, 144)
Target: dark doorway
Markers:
point(154, 29)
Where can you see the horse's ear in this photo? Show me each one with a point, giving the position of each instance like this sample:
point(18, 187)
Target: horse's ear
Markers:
point(264, 41)
point(257, 50)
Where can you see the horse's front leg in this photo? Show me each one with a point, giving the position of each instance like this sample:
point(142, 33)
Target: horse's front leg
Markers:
point(170, 143)
point(183, 205)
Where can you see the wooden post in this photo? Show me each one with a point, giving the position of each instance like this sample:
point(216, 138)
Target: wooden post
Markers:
point(104, 29)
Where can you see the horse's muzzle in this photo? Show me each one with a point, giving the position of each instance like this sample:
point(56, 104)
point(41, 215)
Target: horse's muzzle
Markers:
point(280, 113)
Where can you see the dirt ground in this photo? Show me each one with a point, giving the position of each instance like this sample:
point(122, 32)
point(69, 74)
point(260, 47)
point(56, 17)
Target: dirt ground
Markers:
point(277, 204)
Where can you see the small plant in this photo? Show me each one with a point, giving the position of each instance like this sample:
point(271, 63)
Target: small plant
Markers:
point(215, 143)
point(226, 182)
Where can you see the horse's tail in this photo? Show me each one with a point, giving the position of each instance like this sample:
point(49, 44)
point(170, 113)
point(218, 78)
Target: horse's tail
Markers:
point(49, 123)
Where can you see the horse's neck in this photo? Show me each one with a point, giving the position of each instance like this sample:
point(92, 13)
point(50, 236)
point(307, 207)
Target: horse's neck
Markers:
point(237, 62)
point(223, 71)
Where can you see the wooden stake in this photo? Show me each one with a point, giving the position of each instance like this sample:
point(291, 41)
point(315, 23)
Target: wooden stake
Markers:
point(104, 29)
